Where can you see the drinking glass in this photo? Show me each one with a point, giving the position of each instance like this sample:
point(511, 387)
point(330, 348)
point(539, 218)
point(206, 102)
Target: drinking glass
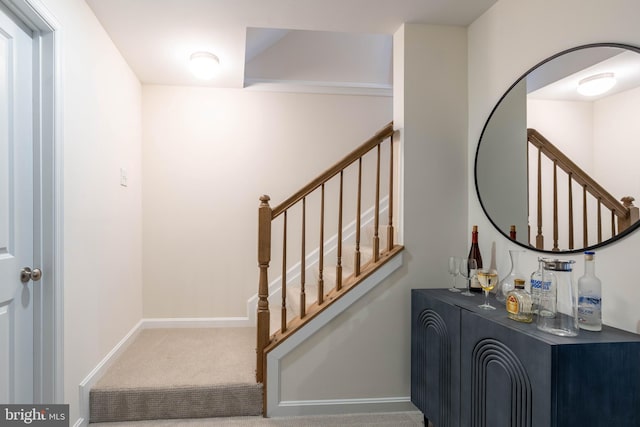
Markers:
point(468, 269)
point(454, 269)
point(488, 279)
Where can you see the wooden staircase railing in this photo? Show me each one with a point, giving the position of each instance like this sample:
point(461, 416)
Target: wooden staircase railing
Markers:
point(266, 215)
point(622, 214)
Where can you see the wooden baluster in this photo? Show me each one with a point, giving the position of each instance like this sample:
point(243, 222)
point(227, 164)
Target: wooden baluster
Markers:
point(283, 309)
point(599, 220)
point(321, 256)
point(570, 210)
point(390, 231)
point(376, 219)
point(358, 208)
point(264, 258)
point(585, 233)
point(613, 223)
point(555, 206)
point(303, 262)
point(339, 250)
point(539, 236)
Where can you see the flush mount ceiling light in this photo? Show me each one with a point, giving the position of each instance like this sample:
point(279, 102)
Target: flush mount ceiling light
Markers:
point(204, 65)
point(596, 84)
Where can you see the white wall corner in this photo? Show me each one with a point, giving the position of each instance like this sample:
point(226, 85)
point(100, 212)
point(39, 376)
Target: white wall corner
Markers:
point(277, 407)
point(90, 380)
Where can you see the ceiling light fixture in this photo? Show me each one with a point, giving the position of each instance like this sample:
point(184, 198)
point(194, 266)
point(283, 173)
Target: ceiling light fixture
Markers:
point(204, 65)
point(596, 84)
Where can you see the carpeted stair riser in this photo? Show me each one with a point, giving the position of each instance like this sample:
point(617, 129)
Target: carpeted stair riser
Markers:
point(110, 405)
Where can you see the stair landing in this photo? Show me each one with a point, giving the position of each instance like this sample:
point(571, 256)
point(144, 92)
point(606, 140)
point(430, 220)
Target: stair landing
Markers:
point(181, 373)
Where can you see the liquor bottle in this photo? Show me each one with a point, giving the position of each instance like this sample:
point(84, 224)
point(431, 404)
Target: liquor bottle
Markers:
point(589, 296)
point(519, 303)
point(474, 253)
point(539, 283)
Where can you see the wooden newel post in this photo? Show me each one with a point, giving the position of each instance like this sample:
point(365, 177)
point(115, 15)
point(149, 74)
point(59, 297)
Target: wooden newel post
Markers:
point(264, 257)
point(632, 216)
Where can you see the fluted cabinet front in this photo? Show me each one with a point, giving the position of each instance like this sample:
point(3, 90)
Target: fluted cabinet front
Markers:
point(435, 364)
point(500, 372)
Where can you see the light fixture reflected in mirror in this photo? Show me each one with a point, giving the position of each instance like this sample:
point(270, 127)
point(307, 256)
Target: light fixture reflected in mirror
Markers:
point(204, 65)
point(597, 84)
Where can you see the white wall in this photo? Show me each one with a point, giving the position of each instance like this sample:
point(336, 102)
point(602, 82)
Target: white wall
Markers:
point(508, 40)
point(102, 220)
point(616, 143)
point(568, 125)
point(323, 56)
point(365, 352)
point(208, 155)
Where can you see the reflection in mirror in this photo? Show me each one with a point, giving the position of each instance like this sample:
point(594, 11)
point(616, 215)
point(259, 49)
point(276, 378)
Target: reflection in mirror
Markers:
point(559, 165)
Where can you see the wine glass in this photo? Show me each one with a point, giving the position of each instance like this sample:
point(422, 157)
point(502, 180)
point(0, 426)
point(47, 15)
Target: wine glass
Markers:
point(468, 269)
point(454, 269)
point(488, 279)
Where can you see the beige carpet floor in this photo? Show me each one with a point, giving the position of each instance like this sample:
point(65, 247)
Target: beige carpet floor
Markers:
point(185, 357)
point(181, 373)
point(396, 419)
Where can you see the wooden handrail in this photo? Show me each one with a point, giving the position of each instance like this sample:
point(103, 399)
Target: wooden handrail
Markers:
point(371, 143)
point(625, 212)
point(579, 175)
point(361, 268)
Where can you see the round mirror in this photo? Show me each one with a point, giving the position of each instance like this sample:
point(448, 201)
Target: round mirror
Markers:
point(557, 163)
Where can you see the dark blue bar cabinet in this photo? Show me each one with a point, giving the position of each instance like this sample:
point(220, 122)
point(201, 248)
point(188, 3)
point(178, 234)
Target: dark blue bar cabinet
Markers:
point(476, 368)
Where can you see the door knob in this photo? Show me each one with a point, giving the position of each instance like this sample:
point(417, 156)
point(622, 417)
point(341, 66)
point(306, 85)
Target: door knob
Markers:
point(27, 274)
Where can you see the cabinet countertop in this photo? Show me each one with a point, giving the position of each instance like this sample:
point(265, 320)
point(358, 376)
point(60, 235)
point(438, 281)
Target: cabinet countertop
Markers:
point(499, 315)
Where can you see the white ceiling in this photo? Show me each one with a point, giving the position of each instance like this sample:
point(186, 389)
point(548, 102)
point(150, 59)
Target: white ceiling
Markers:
point(156, 37)
point(624, 64)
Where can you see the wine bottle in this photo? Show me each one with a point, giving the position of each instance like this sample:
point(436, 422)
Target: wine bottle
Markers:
point(512, 232)
point(474, 253)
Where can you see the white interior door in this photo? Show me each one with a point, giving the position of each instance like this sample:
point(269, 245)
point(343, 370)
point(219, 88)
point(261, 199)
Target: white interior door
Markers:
point(16, 211)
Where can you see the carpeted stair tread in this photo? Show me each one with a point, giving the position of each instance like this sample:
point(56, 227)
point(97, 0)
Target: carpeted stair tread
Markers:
point(133, 404)
point(180, 373)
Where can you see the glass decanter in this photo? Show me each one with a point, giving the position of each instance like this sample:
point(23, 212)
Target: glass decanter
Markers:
point(507, 284)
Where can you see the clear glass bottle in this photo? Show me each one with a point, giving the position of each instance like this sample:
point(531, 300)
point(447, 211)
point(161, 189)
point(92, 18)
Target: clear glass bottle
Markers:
point(589, 296)
point(538, 284)
point(558, 309)
point(519, 303)
point(508, 283)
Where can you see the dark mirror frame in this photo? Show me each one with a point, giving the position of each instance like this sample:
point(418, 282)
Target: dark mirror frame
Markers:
point(619, 236)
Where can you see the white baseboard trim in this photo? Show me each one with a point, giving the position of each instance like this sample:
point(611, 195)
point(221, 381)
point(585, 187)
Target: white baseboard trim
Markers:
point(97, 372)
point(197, 322)
point(344, 406)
